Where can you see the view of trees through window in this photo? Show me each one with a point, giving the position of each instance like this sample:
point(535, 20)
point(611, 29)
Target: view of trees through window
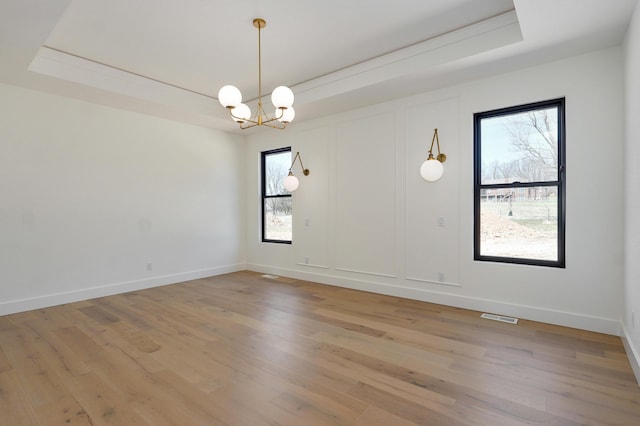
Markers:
point(519, 191)
point(277, 211)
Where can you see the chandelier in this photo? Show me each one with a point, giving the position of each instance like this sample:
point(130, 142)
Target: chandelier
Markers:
point(281, 97)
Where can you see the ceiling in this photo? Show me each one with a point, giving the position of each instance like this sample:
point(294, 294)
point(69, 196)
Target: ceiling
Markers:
point(169, 58)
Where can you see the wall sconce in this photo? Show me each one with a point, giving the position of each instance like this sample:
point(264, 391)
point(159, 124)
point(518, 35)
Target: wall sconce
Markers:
point(432, 169)
point(291, 182)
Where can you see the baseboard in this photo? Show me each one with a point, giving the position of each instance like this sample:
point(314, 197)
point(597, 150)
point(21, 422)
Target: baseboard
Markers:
point(567, 319)
point(28, 304)
point(632, 353)
point(532, 313)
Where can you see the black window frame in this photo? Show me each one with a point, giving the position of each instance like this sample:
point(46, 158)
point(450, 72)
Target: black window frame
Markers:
point(265, 197)
point(560, 183)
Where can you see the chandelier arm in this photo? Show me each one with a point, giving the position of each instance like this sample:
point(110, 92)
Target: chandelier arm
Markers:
point(247, 127)
point(241, 118)
point(258, 121)
point(274, 118)
point(269, 120)
point(273, 126)
point(263, 123)
point(252, 124)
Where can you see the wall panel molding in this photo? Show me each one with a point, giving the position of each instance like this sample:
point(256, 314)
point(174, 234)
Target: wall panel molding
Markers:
point(365, 218)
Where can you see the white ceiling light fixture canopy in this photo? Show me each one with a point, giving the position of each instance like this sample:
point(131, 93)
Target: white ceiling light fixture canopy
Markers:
point(282, 98)
point(432, 169)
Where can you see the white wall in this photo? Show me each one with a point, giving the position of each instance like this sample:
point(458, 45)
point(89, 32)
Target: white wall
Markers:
point(631, 329)
point(372, 221)
point(90, 195)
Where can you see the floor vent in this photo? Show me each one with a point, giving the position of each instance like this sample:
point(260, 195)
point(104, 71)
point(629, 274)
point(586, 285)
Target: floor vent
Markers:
point(500, 318)
point(271, 277)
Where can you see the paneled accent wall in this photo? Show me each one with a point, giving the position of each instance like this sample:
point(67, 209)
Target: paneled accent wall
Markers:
point(432, 208)
point(365, 195)
point(365, 219)
point(311, 222)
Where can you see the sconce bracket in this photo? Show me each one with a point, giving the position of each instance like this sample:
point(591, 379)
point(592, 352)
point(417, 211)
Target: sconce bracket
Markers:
point(440, 157)
point(297, 157)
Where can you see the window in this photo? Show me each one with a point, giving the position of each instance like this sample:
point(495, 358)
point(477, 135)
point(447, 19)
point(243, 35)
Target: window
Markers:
point(519, 181)
point(276, 201)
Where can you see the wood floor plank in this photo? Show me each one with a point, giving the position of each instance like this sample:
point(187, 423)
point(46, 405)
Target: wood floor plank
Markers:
point(98, 402)
point(410, 337)
point(58, 355)
point(15, 404)
point(242, 349)
point(64, 411)
point(386, 351)
point(39, 380)
point(4, 362)
point(374, 416)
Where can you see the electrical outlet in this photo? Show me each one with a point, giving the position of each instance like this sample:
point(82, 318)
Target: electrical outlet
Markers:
point(441, 276)
point(306, 260)
point(441, 221)
point(149, 266)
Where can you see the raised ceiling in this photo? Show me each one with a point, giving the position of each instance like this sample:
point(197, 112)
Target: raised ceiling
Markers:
point(169, 58)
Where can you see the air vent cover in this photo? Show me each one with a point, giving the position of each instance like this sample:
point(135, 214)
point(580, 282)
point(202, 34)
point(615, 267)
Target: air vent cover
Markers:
point(499, 318)
point(271, 277)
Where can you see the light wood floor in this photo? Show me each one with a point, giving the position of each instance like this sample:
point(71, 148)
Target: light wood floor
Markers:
point(240, 349)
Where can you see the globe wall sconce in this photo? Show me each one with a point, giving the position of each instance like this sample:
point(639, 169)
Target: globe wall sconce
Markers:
point(290, 181)
point(432, 169)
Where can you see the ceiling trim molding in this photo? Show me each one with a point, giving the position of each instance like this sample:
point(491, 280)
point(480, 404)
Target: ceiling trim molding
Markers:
point(480, 37)
point(492, 33)
point(65, 66)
